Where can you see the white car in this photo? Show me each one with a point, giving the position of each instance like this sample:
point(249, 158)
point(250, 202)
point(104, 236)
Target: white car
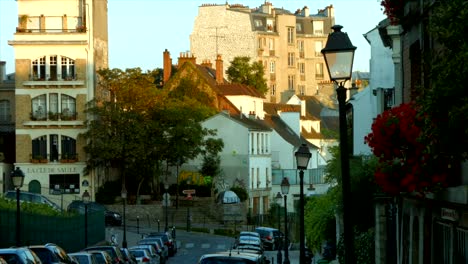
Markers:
point(152, 252)
point(143, 256)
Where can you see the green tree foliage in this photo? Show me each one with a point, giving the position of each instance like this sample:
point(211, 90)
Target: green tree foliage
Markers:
point(141, 127)
point(243, 72)
point(188, 88)
point(211, 161)
point(444, 102)
point(241, 193)
point(320, 211)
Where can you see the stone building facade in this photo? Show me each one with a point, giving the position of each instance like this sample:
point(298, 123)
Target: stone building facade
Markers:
point(288, 44)
point(58, 48)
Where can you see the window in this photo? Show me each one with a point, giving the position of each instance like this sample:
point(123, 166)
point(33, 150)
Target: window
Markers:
point(271, 44)
point(5, 111)
point(318, 27)
point(39, 148)
point(68, 145)
point(65, 107)
point(301, 89)
point(258, 22)
point(319, 70)
point(300, 46)
point(299, 27)
point(65, 183)
point(318, 48)
point(291, 81)
point(301, 68)
point(291, 59)
point(290, 35)
point(272, 66)
point(273, 89)
point(53, 68)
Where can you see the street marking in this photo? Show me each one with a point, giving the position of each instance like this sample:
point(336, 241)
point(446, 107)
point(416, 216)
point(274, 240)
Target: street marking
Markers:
point(221, 246)
point(205, 245)
point(189, 245)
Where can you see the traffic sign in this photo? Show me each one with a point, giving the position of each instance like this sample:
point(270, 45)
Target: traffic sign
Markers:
point(189, 193)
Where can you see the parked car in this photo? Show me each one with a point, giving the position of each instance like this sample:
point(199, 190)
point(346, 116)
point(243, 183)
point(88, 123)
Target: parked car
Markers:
point(162, 251)
point(152, 252)
point(60, 252)
point(111, 218)
point(113, 251)
point(19, 256)
point(3, 261)
point(168, 239)
point(101, 256)
point(143, 256)
point(128, 257)
point(233, 257)
point(271, 238)
point(47, 255)
point(249, 240)
point(84, 257)
point(32, 198)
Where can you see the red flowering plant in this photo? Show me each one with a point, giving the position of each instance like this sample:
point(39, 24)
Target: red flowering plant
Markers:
point(394, 9)
point(404, 165)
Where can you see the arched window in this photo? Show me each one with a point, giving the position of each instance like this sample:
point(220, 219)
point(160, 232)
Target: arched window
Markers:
point(53, 67)
point(39, 107)
point(39, 148)
point(68, 148)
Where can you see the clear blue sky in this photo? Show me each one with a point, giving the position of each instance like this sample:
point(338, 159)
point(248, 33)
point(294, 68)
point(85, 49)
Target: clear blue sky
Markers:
point(140, 30)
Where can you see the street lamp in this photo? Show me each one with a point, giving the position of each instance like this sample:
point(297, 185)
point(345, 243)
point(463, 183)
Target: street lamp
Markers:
point(339, 55)
point(302, 160)
point(285, 190)
point(86, 197)
point(17, 176)
point(189, 181)
point(166, 203)
point(123, 194)
point(278, 201)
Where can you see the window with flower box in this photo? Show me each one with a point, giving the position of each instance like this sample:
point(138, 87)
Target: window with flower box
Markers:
point(53, 106)
point(53, 68)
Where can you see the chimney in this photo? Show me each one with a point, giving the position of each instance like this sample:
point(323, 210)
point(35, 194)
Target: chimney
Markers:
point(305, 11)
point(186, 57)
point(219, 70)
point(252, 114)
point(2, 71)
point(207, 63)
point(167, 65)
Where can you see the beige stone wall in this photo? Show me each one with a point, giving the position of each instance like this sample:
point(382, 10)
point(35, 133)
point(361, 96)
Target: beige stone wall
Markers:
point(23, 110)
point(23, 148)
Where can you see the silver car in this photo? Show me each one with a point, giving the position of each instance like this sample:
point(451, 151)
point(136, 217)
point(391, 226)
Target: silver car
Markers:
point(152, 252)
point(143, 256)
point(84, 257)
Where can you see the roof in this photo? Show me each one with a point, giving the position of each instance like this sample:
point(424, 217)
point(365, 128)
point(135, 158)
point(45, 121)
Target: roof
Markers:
point(238, 89)
point(277, 124)
point(250, 123)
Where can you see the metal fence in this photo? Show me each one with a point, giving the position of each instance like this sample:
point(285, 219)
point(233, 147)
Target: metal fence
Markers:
point(311, 176)
point(65, 231)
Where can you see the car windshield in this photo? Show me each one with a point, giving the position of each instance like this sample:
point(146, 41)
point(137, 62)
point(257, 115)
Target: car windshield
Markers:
point(45, 255)
point(82, 259)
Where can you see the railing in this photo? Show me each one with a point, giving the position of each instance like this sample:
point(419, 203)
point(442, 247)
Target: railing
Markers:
point(46, 158)
point(311, 176)
point(64, 116)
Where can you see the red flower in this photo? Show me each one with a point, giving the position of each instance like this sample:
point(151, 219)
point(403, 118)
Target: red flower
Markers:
point(396, 139)
point(393, 9)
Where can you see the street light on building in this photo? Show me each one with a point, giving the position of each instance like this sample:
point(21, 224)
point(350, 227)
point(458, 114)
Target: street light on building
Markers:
point(285, 190)
point(124, 201)
point(86, 197)
point(302, 160)
point(339, 55)
point(17, 177)
point(278, 199)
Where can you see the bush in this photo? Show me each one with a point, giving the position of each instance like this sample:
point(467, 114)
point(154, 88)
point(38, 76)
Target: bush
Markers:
point(106, 193)
point(241, 193)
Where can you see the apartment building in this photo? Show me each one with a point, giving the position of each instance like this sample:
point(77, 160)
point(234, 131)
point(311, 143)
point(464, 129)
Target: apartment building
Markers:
point(287, 43)
point(58, 47)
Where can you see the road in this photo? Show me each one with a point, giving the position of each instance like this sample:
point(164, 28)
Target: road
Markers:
point(191, 245)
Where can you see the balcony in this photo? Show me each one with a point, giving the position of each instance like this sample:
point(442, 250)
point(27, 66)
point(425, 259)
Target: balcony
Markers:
point(311, 176)
point(46, 158)
point(68, 80)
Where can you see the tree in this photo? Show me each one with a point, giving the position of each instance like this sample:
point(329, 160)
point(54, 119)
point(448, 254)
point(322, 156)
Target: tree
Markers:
point(243, 72)
point(211, 160)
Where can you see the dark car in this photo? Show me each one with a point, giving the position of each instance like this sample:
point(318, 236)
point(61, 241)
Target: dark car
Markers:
point(111, 218)
point(61, 253)
point(32, 198)
point(271, 238)
point(47, 255)
point(19, 256)
point(113, 251)
point(233, 257)
point(168, 240)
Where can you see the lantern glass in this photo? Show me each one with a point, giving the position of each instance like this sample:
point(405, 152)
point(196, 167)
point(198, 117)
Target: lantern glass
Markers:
point(86, 197)
point(17, 177)
point(123, 193)
point(302, 157)
point(278, 197)
point(339, 64)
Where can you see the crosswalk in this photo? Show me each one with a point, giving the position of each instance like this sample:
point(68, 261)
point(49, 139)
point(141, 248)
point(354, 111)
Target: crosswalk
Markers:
point(203, 246)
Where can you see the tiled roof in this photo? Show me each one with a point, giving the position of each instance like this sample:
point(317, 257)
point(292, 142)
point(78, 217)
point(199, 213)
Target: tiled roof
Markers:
point(283, 129)
point(238, 89)
point(252, 123)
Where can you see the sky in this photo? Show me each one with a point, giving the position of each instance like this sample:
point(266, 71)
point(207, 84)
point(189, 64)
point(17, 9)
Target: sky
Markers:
point(140, 30)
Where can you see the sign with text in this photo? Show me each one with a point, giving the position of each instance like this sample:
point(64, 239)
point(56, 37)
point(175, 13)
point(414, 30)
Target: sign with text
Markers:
point(189, 193)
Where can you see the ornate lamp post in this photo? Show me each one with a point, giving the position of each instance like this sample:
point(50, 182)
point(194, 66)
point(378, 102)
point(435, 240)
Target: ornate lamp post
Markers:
point(278, 199)
point(339, 55)
point(86, 197)
point(17, 177)
point(124, 201)
point(302, 160)
point(285, 190)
